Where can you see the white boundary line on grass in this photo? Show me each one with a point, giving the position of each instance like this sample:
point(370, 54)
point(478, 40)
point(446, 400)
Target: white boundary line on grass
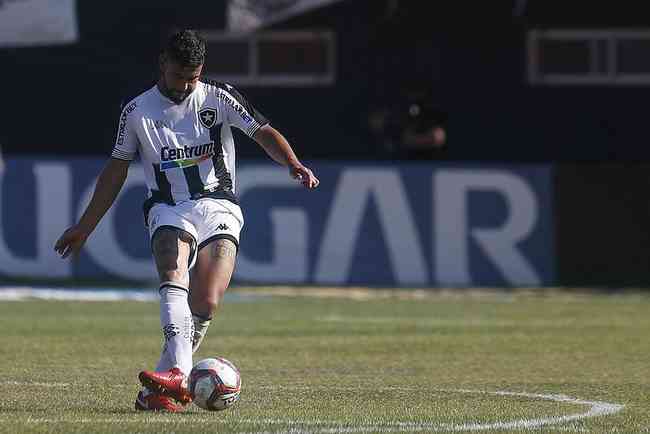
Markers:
point(23, 293)
point(86, 294)
point(597, 408)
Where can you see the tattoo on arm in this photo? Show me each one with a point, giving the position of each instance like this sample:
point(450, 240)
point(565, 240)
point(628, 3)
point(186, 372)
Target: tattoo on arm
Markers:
point(224, 249)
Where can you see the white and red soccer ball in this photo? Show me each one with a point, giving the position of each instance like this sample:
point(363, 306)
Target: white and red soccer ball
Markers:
point(215, 384)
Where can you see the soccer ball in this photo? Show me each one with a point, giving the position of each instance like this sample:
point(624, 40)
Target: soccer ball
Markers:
point(214, 384)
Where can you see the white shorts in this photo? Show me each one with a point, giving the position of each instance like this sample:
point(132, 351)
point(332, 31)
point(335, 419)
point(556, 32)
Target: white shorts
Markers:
point(206, 219)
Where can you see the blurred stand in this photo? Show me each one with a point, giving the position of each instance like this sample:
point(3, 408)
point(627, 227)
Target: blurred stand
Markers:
point(412, 128)
point(404, 118)
point(2, 161)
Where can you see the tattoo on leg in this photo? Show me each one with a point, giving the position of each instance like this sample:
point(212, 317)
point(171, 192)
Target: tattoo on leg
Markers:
point(224, 249)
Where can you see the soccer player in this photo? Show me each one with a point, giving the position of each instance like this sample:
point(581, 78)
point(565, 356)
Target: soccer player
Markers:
point(181, 128)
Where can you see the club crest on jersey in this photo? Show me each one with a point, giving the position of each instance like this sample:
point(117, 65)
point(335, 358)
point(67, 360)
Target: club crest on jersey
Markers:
point(208, 117)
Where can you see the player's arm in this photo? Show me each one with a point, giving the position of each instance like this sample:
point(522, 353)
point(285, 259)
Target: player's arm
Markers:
point(279, 149)
point(109, 184)
point(249, 120)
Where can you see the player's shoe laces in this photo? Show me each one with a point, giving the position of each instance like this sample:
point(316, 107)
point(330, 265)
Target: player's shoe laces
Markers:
point(156, 402)
point(171, 383)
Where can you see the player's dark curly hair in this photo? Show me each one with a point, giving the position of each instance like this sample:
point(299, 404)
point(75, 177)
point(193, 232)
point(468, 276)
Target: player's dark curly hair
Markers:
point(186, 47)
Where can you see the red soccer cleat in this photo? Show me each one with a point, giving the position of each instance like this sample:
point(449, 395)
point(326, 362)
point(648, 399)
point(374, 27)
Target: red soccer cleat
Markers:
point(156, 402)
point(171, 383)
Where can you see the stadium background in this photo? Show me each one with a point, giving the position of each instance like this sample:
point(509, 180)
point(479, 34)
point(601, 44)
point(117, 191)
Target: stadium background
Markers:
point(538, 184)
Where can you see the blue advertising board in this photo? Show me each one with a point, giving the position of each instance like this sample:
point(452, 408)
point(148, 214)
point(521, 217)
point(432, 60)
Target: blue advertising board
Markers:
point(407, 224)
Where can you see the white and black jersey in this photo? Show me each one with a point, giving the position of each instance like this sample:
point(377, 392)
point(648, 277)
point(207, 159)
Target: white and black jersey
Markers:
point(187, 149)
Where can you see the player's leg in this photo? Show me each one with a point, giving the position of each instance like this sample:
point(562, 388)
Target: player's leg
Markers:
point(172, 249)
point(210, 279)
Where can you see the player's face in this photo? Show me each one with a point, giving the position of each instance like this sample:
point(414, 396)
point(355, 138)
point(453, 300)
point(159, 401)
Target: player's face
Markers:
point(178, 81)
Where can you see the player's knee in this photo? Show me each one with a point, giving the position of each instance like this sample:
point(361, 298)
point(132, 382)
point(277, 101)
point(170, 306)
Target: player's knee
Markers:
point(171, 255)
point(212, 301)
point(178, 276)
point(209, 301)
point(172, 269)
point(209, 307)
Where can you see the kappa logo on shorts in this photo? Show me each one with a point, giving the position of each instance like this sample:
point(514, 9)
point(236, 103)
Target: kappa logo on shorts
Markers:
point(208, 117)
point(222, 227)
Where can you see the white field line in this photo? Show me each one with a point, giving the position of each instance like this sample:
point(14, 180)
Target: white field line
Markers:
point(570, 429)
point(596, 409)
point(97, 294)
point(88, 294)
point(61, 385)
point(22, 292)
point(34, 384)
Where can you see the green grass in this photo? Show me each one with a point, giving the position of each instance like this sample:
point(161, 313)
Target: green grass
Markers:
point(335, 365)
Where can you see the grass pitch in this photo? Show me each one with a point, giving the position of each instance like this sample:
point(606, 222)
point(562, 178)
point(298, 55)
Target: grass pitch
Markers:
point(437, 363)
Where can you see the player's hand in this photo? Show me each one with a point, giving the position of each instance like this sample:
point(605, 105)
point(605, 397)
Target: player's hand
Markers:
point(305, 176)
point(71, 241)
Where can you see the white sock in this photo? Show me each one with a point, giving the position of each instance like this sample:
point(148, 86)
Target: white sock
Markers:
point(177, 327)
point(164, 364)
point(201, 325)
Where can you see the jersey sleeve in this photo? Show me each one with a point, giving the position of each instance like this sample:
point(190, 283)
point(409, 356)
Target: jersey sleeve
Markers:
point(241, 113)
point(126, 142)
